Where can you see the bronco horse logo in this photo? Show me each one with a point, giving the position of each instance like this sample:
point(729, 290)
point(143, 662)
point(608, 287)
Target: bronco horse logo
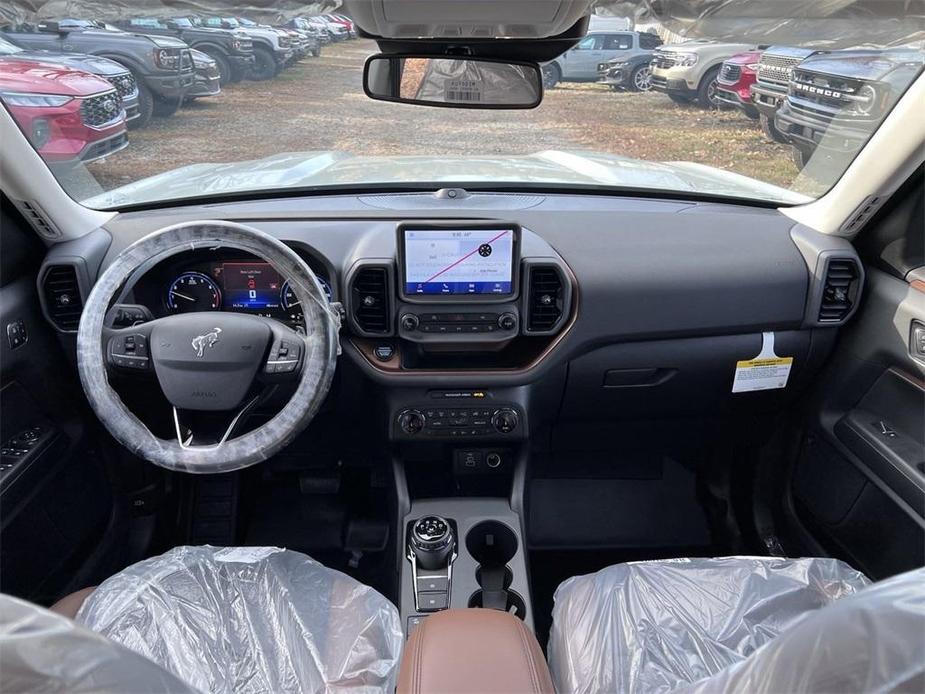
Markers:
point(208, 340)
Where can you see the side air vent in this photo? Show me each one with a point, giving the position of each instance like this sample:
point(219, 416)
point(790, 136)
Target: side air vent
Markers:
point(61, 292)
point(38, 219)
point(369, 295)
point(545, 298)
point(840, 290)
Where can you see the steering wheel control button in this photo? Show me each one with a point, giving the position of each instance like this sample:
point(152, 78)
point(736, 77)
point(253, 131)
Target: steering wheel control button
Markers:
point(129, 352)
point(284, 357)
point(16, 334)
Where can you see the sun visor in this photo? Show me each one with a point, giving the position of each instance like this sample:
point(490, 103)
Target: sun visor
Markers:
point(820, 24)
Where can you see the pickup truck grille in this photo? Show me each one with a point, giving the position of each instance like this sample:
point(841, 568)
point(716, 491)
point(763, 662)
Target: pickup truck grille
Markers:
point(124, 84)
point(774, 70)
point(663, 60)
point(730, 73)
point(101, 110)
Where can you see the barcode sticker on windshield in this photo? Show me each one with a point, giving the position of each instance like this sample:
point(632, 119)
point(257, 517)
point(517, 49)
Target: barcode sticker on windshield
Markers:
point(465, 91)
point(767, 371)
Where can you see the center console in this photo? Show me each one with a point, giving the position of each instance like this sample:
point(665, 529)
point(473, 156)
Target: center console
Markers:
point(463, 553)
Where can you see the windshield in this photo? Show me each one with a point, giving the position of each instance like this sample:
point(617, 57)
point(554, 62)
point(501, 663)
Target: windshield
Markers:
point(633, 107)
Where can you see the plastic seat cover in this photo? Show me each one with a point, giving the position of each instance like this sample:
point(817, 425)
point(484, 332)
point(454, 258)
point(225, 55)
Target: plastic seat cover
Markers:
point(660, 626)
point(251, 619)
point(41, 651)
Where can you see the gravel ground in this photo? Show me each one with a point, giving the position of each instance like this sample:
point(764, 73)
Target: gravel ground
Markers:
point(319, 105)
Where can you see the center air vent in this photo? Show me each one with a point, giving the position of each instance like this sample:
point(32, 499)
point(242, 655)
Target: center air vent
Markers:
point(369, 299)
point(840, 290)
point(546, 295)
point(61, 292)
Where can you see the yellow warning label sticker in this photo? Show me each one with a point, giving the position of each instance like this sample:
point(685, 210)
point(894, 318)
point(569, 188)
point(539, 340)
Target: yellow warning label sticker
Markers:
point(762, 374)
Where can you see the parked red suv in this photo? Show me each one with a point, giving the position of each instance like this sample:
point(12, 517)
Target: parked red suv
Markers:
point(68, 115)
point(736, 77)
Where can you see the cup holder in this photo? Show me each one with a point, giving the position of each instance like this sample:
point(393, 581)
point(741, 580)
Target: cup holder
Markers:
point(515, 603)
point(491, 543)
point(508, 577)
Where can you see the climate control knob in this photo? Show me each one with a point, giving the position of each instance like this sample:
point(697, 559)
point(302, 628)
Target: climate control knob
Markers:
point(410, 322)
point(411, 422)
point(507, 321)
point(504, 420)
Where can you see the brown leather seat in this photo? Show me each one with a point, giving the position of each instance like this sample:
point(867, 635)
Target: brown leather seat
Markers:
point(473, 650)
point(69, 605)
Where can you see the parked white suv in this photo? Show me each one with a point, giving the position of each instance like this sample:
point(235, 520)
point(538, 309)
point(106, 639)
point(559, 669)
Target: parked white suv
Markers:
point(688, 71)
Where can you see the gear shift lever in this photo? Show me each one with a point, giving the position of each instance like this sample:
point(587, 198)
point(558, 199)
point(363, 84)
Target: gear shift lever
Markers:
point(432, 543)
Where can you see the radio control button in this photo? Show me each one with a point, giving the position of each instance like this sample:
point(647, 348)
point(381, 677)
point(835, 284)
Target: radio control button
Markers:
point(409, 322)
point(507, 321)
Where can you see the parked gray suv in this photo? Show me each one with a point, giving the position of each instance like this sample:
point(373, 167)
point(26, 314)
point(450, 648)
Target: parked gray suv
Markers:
point(630, 69)
point(582, 63)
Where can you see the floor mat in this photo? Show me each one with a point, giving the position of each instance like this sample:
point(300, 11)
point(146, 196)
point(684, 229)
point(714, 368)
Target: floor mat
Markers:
point(282, 514)
point(660, 511)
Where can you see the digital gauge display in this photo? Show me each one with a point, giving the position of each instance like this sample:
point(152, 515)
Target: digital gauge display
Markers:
point(251, 286)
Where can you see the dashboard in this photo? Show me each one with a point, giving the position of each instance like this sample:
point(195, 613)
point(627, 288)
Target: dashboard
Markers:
point(533, 306)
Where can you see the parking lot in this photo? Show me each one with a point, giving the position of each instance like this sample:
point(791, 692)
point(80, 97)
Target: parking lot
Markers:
point(320, 105)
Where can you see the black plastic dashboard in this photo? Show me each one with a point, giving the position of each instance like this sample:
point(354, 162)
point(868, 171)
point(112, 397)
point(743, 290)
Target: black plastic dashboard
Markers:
point(625, 302)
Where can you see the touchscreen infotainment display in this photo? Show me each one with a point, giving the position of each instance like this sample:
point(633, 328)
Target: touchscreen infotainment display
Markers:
point(458, 261)
point(253, 286)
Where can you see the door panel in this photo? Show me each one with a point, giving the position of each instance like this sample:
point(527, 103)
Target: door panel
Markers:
point(55, 496)
point(858, 485)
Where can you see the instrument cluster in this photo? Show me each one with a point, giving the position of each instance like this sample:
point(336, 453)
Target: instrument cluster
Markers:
point(246, 285)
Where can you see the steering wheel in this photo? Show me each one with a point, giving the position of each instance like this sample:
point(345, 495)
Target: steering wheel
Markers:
point(208, 364)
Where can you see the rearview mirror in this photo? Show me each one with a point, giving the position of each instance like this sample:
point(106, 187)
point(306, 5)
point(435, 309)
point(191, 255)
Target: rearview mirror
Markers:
point(453, 82)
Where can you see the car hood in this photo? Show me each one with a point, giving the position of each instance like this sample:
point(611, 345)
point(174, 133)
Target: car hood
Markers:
point(746, 58)
point(863, 64)
point(79, 61)
point(40, 77)
point(324, 169)
point(260, 32)
point(706, 47)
